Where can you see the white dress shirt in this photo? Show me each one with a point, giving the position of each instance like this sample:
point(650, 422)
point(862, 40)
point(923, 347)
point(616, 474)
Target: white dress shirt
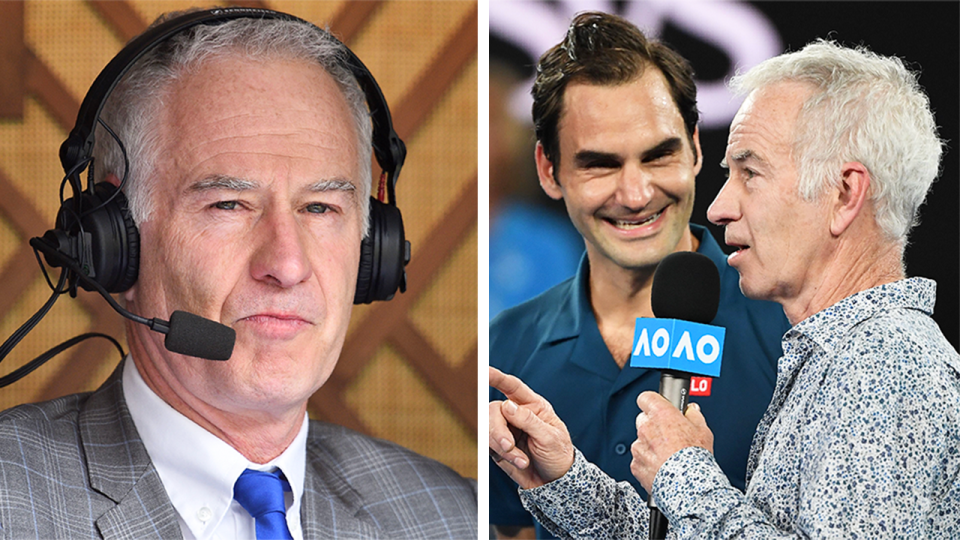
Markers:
point(198, 469)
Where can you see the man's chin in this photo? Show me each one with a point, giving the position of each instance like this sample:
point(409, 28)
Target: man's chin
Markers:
point(749, 289)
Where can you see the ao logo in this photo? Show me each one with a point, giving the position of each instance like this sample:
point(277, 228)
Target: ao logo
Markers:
point(708, 347)
point(673, 344)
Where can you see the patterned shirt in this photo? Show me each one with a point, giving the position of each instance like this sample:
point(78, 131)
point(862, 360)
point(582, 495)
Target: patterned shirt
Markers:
point(861, 440)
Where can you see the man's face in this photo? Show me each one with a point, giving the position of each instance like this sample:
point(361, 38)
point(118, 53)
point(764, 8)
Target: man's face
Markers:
point(257, 225)
point(780, 238)
point(626, 171)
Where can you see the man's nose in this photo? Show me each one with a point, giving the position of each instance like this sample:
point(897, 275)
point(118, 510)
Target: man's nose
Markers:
point(281, 257)
point(634, 187)
point(725, 208)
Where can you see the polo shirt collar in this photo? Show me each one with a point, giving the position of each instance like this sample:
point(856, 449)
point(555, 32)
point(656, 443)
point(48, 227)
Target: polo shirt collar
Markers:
point(568, 317)
point(575, 309)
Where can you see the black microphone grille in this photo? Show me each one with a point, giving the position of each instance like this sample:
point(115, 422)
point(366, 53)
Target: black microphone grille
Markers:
point(686, 286)
point(195, 336)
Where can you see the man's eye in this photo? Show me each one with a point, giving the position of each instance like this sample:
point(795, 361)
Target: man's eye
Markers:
point(602, 165)
point(225, 205)
point(317, 208)
point(653, 158)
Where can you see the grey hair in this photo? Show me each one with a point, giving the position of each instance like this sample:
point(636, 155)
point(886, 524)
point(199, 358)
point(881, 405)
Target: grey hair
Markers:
point(865, 108)
point(134, 105)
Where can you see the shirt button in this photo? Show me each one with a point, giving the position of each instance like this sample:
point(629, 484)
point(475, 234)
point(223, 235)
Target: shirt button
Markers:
point(620, 449)
point(204, 514)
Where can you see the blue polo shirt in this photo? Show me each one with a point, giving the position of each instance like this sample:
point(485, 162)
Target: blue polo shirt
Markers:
point(553, 344)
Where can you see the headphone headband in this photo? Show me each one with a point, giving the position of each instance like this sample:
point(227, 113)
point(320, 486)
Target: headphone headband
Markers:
point(388, 148)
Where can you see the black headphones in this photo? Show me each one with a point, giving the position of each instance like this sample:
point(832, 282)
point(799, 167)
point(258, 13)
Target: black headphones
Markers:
point(96, 231)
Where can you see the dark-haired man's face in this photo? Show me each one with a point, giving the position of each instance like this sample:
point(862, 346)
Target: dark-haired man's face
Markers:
point(626, 171)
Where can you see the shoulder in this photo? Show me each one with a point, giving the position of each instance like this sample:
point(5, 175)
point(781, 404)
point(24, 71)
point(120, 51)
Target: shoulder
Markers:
point(374, 464)
point(42, 469)
point(535, 310)
point(522, 327)
point(389, 481)
point(905, 343)
point(47, 422)
point(892, 367)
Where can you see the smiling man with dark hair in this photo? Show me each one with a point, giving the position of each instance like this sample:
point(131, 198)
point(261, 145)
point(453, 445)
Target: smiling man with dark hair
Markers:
point(616, 123)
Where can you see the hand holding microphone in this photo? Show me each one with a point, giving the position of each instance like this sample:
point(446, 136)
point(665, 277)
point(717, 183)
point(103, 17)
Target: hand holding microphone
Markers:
point(679, 343)
point(663, 431)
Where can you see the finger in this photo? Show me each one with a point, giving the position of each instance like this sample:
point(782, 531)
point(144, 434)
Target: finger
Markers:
point(512, 387)
point(640, 464)
point(521, 476)
point(694, 415)
point(500, 437)
point(650, 402)
point(527, 421)
point(642, 419)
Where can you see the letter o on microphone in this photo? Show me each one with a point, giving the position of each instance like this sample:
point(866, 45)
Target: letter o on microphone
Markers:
point(707, 339)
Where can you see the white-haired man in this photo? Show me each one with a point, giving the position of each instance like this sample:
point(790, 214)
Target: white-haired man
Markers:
point(830, 157)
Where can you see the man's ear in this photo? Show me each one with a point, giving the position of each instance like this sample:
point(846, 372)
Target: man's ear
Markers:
point(697, 151)
point(546, 173)
point(849, 196)
point(112, 179)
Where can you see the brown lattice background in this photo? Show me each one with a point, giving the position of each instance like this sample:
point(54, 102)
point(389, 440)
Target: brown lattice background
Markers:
point(408, 369)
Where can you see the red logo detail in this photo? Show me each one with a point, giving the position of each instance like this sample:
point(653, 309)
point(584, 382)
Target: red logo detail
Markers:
point(700, 386)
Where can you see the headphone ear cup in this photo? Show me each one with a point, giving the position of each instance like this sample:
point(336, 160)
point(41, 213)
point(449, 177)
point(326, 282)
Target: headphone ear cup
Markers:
point(111, 243)
point(384, 253)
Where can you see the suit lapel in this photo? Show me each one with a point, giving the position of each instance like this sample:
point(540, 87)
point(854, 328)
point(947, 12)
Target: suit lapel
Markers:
point(120, 468)
point(330, 507)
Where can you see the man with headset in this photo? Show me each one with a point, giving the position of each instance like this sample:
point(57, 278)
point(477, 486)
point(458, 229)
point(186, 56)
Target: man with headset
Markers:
point(248, 140)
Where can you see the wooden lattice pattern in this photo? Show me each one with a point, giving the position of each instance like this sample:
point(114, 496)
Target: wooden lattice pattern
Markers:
point(408, 368)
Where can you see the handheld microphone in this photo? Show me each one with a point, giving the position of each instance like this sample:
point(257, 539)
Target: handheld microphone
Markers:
point(679, 342)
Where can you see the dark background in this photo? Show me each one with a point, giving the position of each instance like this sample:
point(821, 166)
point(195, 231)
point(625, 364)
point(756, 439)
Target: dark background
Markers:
point(925, 35)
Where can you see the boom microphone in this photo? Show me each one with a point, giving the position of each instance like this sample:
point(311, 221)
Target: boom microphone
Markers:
point(186, 333)
point(195, 336)
point(679, 342)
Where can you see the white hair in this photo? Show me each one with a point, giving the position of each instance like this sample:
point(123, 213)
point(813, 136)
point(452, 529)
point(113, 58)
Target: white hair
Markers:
point(865, 108)
point(134, 105)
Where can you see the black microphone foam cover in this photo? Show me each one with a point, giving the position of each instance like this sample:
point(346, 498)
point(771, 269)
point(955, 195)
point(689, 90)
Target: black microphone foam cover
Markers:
point(686, 286)
point(195, 336)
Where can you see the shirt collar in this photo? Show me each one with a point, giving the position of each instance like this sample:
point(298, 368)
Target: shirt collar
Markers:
point(576, 310)
point(830, 325)
point(197, 468)
point(708, 246)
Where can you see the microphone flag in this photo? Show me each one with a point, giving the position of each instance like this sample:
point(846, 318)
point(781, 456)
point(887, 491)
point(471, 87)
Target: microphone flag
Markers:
point(676, 345)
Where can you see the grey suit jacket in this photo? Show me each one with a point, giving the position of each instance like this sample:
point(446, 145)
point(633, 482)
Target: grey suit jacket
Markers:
point(75, 467)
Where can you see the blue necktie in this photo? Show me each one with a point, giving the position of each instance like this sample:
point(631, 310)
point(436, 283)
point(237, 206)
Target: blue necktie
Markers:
point(261, 494)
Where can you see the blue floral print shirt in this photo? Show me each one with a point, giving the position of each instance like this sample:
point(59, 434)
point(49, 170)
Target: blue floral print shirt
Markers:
point(861, 440)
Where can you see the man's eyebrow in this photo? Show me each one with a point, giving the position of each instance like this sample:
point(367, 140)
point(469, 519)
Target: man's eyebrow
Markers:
point(741, 156)
point(586, 157)
point(667, 146)
point(232, 183)
point(221, 181)
point(336, 184)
